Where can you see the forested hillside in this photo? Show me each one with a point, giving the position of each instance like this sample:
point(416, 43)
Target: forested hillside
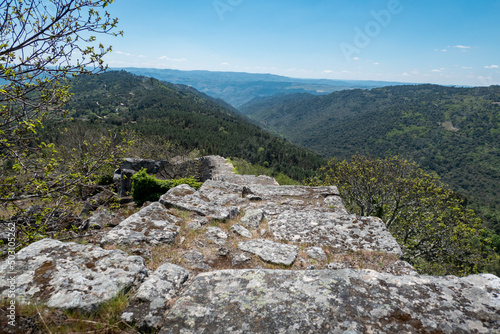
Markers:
point(453, 131)
point(237, 88)
point(183, 116)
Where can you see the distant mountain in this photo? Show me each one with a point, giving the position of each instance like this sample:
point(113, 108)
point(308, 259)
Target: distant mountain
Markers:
point(453, 131)
point(239, 88)
point(184, 116)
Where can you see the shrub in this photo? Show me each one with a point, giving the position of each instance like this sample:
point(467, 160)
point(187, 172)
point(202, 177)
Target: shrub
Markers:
point(148, 188)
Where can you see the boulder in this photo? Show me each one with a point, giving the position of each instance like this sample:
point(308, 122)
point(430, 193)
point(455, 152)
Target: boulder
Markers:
point(269, 251)
point(186, 198)
point(343, 301)
point(152, 224)
point(70, 275)
point(316, 253)
point(147, 307)
point(341, 231)
point(240, 230)
point(216, 235)
point(252, 218)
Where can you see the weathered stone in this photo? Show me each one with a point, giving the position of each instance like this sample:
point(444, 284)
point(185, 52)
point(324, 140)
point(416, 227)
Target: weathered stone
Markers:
point(216, 235)
point(148, 305)
point(346, 232)
point(240, 230)
point(343, 301)
point(152, 224)
point(100, 219)
point(269, 251)
point(223, 251)
point(186, 198)
point(70, 275)
point(316, 253)
point(240, 259)
point(252, 218)
point(196, 260)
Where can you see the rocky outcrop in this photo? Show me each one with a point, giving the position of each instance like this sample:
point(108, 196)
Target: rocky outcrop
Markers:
point(70, 275)
point(273, 252)
point(343, 301)
point(211, 253)
point(152, 224)
point(148, 305)
point(186, 198)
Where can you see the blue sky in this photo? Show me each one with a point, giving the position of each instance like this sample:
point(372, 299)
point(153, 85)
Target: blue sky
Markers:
point(453, 42)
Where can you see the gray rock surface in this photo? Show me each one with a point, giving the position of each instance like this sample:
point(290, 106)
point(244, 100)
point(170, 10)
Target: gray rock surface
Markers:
point(240, 230)
point(344, 232)
point(186, 198)
point(152, 224)
point(343, 301)
point(269, 251)
point(147, 307)
point(70, 275)
point(216, 235)
point(253, 218)
point(316, 253)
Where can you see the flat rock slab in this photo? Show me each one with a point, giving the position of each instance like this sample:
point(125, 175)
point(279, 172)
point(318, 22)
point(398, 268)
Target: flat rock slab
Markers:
point(345, 232)
point(269, 251)
point(152, 224)
point(343, 301)
point(147, 307)
point(70, 275)
point(186, 198)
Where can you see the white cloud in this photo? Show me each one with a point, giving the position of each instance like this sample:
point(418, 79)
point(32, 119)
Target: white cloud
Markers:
point(466, 68)
point(462, 47)
point(405, 74)
point(328, 71)
point(225, 64)
point(355, 58)
point(376, 63)
point(123, 53)
point(439, 70)
point(172, 59)
point(492, 66)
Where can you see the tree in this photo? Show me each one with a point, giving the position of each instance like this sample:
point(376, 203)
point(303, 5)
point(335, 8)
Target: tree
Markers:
point(437, 233)
point(41, 43)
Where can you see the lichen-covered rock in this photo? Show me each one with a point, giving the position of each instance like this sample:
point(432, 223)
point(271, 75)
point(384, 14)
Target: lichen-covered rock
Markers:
point(100, 219)
point(346, 232)
point(147, 307)
point(316, 253)
point(152, 224)
point(70, 275)
point(240, 259)
point(240, 230)
point(343, 301)
point(216, 235)
point(186, 198)
point(269, 251)
point(252, 218)
point(196, 260)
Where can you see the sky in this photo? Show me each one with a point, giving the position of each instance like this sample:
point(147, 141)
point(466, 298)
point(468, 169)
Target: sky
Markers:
point(448, 42)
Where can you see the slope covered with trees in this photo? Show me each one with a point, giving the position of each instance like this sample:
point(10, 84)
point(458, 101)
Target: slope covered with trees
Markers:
point(452, 131)
point(185, 117)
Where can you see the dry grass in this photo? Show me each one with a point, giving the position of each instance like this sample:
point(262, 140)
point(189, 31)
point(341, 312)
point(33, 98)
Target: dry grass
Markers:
point(38, 318)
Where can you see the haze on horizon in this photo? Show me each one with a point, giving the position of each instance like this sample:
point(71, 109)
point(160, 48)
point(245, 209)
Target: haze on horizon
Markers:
point(448, 42)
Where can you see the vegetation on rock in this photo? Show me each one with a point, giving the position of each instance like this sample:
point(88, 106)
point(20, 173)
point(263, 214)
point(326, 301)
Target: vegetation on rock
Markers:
point(436, 231)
